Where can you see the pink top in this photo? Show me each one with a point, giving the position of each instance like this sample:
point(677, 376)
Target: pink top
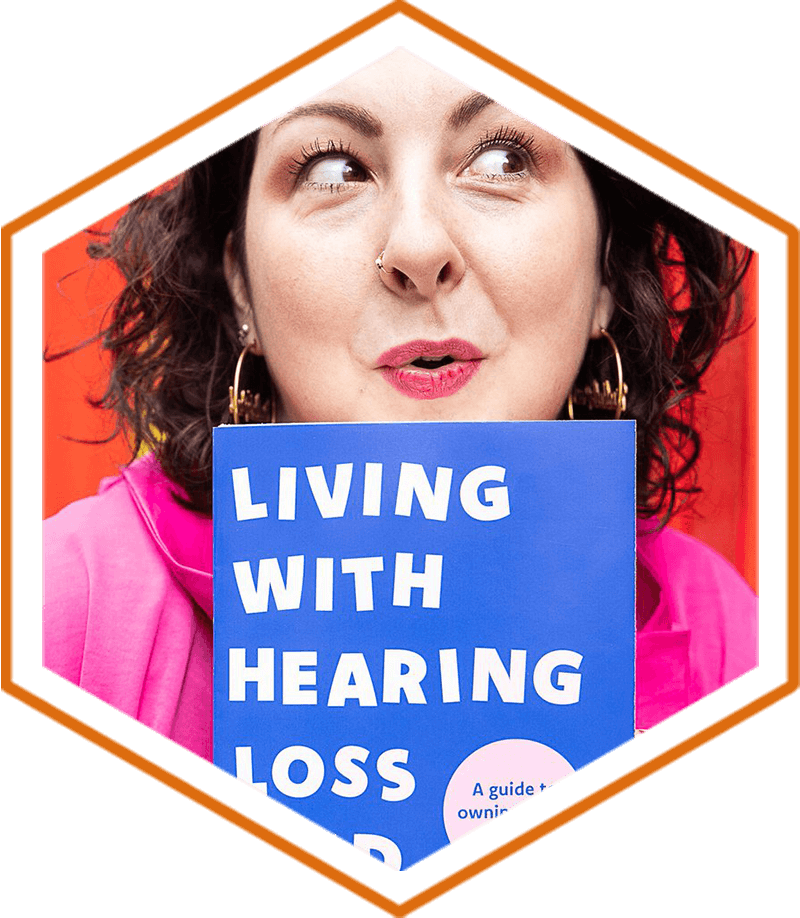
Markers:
point(128, 605)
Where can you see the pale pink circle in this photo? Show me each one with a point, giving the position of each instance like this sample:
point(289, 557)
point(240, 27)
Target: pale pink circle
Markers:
point(510, 771)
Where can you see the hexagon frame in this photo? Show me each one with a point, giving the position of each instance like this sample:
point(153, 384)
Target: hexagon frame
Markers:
point(18, 690)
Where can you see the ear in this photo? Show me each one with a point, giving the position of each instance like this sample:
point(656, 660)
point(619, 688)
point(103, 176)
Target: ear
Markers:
point(237, 287)
point(603, 311)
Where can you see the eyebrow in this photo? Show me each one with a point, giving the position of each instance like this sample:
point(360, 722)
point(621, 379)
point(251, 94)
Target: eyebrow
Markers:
point(358, 118)
point(369, 126)
point(467, 109)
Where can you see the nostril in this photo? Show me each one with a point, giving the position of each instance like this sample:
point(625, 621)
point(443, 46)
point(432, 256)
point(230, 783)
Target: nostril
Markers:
point(421, 277)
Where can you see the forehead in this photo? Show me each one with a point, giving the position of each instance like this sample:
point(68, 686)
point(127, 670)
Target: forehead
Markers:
point(400, 78)
point(401, 94)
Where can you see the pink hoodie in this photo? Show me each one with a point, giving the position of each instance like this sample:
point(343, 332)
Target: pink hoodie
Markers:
point(128, 605)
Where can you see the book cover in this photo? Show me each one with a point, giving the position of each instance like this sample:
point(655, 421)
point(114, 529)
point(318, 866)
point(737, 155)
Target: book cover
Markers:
point(419, 626)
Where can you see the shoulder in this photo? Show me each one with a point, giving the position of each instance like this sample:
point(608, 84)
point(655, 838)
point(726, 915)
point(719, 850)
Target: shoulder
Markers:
point(91, 536)
point(689, 569)
point(99, 561)
point(133, 516)
point(702, 594)
point(120, 618)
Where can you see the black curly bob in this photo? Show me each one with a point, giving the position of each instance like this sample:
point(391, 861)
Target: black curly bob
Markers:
point(172, 334)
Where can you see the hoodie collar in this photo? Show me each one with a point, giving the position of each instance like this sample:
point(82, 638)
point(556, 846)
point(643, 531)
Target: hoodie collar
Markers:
point(184, 537)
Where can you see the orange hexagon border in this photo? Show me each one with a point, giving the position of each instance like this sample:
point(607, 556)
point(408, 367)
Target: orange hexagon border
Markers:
point(7, 683)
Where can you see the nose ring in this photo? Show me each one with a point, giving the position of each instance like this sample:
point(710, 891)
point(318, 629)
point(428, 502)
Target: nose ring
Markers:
point(379, 262)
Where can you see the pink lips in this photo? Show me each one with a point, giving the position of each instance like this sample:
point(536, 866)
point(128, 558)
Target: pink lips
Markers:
point(460, 362)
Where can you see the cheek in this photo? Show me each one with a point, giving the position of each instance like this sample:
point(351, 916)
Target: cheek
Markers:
point(308, 312)
point(300, 292)
point(543, 274)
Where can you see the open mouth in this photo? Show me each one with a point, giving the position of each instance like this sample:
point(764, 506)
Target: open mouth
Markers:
point(430, 369)
point(431, 363)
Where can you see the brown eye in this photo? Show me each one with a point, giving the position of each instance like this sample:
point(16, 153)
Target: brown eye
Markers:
point(498, 161)
point(335, 170)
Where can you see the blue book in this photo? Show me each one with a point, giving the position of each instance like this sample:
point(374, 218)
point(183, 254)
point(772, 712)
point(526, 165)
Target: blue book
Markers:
point(420, 626)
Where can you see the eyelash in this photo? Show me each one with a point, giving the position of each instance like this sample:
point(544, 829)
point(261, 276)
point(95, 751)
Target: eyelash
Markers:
point(510, 139)
point(505, 137)
point(319, 150)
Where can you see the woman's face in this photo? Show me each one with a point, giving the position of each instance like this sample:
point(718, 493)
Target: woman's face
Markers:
point(491, 284)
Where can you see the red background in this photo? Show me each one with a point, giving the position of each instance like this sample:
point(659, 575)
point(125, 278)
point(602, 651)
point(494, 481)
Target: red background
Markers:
point(78, 290)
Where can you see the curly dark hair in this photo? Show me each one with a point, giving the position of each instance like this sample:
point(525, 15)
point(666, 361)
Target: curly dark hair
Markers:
point(172, 334)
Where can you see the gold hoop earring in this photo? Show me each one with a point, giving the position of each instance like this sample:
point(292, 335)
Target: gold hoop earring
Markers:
point(247, 408)
point(597, 397)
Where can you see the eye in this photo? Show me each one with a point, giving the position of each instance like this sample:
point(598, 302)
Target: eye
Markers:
point(497, 162)
point(506, 155)
point(334, 170)
point(328, 166)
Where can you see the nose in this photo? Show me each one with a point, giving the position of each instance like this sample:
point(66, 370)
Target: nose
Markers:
point(421, 259)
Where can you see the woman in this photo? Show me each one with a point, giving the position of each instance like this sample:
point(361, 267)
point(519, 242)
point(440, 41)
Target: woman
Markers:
point(399, 249)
